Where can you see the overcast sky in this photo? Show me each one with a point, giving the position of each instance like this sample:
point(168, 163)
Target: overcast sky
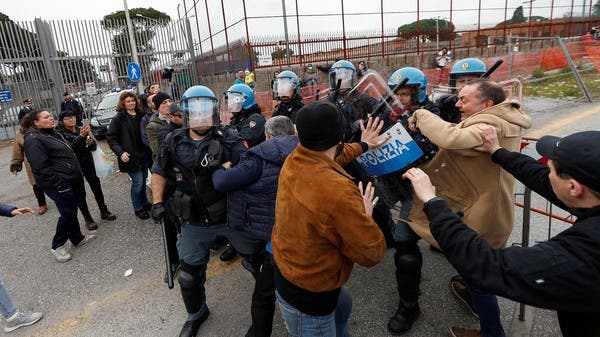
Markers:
point(315, 15)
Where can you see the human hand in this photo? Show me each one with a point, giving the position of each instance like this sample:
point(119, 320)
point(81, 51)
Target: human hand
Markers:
point(20, 211)
point(370, 133)
point(84, 131)
point(227, 165)
point(489, 135)
point(412, 123)
point(421, 184)
point(369, 198)
point(125, 157)
point(158, 212)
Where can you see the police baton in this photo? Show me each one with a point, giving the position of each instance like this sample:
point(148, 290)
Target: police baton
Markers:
point(493, 68)
point(167, 258)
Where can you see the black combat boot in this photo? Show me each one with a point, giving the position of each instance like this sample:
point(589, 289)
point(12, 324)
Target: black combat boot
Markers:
point(403, 319)
point(190, 328)
point(408, 276)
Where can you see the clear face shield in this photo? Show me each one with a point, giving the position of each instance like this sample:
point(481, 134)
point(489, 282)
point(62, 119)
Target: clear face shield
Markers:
point(374, 97)
point(235, 102)
point(283, 88)
point(200, 112)
point(343, 75)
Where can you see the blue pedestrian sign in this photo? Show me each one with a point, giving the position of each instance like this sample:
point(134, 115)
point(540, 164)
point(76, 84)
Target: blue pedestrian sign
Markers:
point(134, 72)
point(5, 96)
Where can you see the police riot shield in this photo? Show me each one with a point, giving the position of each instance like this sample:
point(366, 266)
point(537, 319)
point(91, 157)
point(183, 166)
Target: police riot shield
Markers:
point(373, 97)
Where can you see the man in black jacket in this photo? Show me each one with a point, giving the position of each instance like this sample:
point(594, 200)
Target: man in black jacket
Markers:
point(72, 105)
point(562, 273)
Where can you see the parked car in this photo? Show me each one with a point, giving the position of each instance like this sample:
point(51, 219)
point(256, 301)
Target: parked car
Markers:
point(104, 113)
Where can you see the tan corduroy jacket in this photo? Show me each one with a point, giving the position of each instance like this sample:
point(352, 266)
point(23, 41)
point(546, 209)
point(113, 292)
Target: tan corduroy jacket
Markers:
point(468, 179)
point(18, 156)
point(321, 228)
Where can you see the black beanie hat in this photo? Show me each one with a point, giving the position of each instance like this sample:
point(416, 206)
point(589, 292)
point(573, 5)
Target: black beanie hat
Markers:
point(159, 98)
point(320, 125)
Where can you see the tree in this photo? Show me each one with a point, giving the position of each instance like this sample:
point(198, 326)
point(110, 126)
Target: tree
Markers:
point(143, 33)
point(519, 16)
point(430, 28)
point(77, 70)
point(280, 53)
point(596, 9)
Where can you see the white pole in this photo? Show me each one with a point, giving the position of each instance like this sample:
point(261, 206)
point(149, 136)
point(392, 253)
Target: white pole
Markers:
point(134, 51)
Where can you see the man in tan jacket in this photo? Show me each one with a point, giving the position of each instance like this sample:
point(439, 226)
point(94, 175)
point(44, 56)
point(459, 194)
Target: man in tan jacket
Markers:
point(475, 187)
point(323, 224)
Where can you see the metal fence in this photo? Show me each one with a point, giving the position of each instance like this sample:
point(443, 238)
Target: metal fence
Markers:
point(43, 59)
point(230, 34)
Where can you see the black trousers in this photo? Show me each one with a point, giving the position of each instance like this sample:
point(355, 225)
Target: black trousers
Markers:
point(263, 299)
point(94, 182)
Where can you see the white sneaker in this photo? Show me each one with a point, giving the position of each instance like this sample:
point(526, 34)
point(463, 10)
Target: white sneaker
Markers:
point(61, 254)
point(21, 319)
point(86, 239)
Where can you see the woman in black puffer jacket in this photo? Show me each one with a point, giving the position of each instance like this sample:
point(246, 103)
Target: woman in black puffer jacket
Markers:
point(83, 145)
point(56, 170)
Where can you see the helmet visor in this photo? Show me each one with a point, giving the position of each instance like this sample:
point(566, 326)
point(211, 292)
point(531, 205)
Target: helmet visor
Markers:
point(346, 76)
point(200, 111)
point(284, 87)
point(235, 102)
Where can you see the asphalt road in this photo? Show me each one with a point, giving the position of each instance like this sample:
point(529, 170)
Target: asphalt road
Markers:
point(89, 296)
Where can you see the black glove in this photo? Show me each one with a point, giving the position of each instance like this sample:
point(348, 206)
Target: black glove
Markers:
point(158, 212)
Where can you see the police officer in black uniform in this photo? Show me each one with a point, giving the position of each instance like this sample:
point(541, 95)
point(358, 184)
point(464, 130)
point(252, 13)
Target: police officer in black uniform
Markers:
point(286, 89)
point(187, 158)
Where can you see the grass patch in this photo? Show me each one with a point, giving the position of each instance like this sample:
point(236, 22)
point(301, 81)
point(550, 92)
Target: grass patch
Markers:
point(564, 86)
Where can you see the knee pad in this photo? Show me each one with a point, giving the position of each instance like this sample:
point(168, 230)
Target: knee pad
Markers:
point(408, 262)
point(407, 248)
point(191, 276)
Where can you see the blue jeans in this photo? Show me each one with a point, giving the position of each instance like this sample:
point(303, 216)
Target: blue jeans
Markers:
point(335, 324)
point(486, 306)
point(138, 187)
point(7, 308)
point(67, 227)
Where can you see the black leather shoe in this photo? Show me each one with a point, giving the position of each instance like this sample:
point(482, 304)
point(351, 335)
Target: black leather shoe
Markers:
point(107, 215)
point(229, 254)
point(190, 328)
point(403, 319)
point(90, 224)
point(142, 214)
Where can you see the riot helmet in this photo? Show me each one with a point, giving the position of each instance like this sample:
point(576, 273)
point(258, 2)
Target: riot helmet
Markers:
point(286, 86)
point(416, 81)
point(466, 68)
point(200, 108)
point(343, 71)
point(239, 97)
